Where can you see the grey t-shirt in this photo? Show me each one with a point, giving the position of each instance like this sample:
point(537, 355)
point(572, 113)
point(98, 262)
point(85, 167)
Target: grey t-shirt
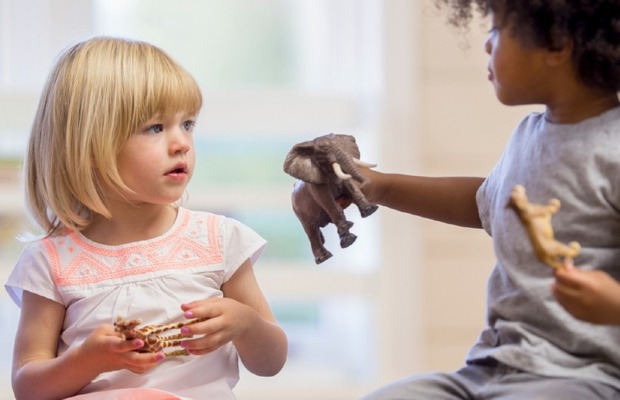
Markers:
point(579, 164)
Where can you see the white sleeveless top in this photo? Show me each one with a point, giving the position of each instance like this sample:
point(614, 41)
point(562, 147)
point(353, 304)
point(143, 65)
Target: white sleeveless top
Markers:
point(146, 280)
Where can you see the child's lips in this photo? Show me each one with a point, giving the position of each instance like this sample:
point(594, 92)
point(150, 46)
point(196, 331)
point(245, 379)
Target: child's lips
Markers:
point(179, 170)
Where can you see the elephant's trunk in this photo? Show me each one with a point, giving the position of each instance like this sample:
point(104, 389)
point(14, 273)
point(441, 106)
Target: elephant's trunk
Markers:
point(347, 164)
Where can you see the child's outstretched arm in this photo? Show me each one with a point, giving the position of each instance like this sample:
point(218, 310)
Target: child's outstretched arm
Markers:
point(590, 295)
point(242, 316)
point(451, 199)
point(38, 373)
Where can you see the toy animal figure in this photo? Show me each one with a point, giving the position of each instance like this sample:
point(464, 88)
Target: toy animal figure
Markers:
point(326, 168)
point(149, 334)
point(537, 221)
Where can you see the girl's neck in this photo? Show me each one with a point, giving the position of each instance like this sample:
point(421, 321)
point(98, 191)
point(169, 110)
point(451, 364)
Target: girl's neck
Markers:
point(131, 224)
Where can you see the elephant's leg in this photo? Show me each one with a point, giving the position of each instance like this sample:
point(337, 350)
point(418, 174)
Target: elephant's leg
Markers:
point(368, 210)
point(325, 199)
point(316, 243)
point(358, 198)
point(316, 238)
point(347, 239)
point(312, 218)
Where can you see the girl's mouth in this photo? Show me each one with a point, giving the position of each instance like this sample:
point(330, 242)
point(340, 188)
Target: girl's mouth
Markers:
point(179, 169)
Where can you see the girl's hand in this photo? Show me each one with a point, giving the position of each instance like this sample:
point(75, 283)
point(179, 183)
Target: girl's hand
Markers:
point(227, 320)
point(105, 349)
point(592, 296)
point(242, 317)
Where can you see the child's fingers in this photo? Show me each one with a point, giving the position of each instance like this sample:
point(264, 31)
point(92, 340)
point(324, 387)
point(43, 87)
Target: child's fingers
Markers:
point(124, 346)
point(569, 277)
point(205, 344)
point(200, 308)
point(198, 328)
point(564, 291)
point(142, 362)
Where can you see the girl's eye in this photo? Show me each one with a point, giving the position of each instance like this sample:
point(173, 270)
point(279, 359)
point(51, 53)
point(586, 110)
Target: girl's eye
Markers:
point(189, 125)
point(156, 128)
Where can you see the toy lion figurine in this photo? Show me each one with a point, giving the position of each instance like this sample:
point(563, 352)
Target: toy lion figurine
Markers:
point(536, 219)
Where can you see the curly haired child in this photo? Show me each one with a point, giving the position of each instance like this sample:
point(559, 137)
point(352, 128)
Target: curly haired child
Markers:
point(110, 154)
point(565, 55)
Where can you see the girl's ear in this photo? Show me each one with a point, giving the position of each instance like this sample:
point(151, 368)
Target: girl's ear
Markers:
point(560, 54)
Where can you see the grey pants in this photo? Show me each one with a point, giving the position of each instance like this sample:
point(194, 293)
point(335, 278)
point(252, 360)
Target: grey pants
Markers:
point(493, 382)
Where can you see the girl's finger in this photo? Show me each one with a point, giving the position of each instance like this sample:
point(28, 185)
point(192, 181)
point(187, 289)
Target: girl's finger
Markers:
point(129, 345)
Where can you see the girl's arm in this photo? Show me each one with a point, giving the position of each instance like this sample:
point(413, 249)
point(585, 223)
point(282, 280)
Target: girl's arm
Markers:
point(263, 347)
point(38, 373)
point(244, 317)
point(451, 200)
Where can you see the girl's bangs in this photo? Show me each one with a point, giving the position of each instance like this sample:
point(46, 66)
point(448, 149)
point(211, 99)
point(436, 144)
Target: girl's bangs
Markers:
point(165, 87)
point(176, 92)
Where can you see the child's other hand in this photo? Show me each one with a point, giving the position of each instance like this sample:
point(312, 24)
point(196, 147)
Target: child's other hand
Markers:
point(592, 296)
point(227, 320)
point(105, 349)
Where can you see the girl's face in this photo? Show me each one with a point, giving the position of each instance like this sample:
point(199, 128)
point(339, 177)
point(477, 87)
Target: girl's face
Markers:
point(516, 70)
point(158, 159)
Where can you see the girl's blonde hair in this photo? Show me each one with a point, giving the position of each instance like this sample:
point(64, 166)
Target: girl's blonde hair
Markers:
point(99, 92)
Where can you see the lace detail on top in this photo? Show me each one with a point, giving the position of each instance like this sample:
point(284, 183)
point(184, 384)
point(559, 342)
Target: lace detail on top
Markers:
point(190, 243)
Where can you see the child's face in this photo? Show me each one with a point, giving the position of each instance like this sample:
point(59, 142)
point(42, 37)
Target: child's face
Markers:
point(517, 71)
point(158, 159)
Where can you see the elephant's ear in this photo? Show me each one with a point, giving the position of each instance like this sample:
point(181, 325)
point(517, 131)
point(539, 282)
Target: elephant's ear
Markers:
point(299, 164)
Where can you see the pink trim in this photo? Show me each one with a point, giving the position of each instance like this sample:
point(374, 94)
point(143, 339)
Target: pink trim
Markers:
point(127, 394)
point(75, 261)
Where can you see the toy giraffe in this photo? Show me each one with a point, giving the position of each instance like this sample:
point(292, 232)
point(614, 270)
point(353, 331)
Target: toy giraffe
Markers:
point(149, 334)
point(537, 221)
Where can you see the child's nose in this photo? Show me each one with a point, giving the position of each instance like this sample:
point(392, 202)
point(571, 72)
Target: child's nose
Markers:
point(488, 45)
point(180, 142)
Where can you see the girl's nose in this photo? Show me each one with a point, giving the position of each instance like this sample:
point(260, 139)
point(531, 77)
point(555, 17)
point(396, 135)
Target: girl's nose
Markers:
point(180, 142)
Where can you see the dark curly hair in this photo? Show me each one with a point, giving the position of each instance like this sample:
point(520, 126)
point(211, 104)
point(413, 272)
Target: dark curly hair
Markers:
point(592, 25)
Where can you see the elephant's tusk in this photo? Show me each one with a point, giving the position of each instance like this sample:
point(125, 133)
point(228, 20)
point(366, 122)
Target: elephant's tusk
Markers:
point(339, 172)
point(363, 163)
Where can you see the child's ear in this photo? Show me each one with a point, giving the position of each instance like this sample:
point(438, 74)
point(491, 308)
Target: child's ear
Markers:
point(560, 53)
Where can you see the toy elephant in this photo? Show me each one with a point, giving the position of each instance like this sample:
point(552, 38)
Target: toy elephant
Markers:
point(326, 168)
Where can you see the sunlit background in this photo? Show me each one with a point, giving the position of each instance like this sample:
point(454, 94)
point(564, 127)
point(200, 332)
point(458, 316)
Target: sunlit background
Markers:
point(408, 296)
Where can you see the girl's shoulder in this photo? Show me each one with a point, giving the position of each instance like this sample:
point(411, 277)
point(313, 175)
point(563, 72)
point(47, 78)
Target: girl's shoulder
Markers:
point(192, 219)
point(40, 245)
